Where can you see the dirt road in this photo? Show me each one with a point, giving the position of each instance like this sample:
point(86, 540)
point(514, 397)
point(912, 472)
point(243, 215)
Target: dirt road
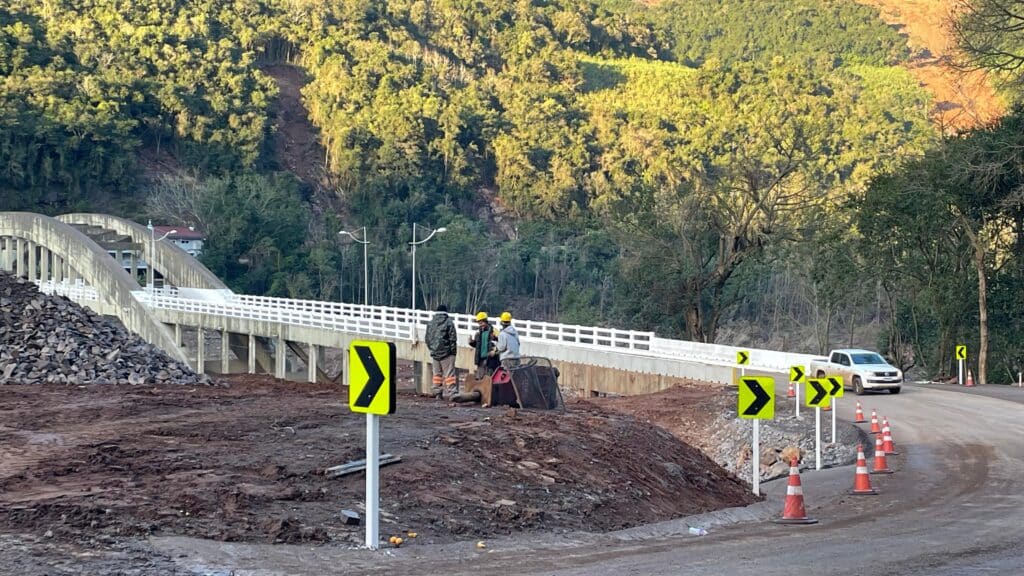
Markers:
point(87, 474)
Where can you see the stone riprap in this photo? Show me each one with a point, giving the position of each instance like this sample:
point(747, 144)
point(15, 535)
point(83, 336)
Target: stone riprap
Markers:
point(49, 339)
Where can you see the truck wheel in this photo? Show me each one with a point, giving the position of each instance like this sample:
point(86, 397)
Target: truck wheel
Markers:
point(858, 386)
point(821, 374)
point(894, 390)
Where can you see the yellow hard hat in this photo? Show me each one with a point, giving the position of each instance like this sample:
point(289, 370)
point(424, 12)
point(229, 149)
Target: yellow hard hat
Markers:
point(506, 316)
point(481, 316)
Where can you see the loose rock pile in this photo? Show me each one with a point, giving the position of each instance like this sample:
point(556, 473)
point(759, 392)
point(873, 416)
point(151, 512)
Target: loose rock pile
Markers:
point(49, 339)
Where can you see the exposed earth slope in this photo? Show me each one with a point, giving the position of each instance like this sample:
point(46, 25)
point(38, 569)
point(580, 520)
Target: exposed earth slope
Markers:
point(963, 100)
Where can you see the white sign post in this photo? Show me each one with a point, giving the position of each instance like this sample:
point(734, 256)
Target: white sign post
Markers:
point(835, 408)
point(817, 437)
point(372, 391)
point(755, 464)
point(796, 392)
point(372, 481)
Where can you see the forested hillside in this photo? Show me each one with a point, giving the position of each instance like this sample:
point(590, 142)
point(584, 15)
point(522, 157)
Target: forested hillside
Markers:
point(679, 166)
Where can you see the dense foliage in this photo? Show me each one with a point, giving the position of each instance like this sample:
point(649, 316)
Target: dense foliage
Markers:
point(652, 166)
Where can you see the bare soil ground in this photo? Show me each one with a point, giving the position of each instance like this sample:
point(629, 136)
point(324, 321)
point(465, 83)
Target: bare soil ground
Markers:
point(99, 468)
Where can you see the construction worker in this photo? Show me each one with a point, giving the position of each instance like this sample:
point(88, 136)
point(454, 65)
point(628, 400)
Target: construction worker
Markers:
point(483, 341)
point(441, 339)
point(507, 347)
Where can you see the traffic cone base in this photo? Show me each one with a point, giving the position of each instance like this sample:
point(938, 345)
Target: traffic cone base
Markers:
point(861, 479)
point(793, 512)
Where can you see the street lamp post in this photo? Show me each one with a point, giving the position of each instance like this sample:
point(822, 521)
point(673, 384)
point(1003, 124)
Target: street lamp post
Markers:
point(414, 244)
point(366, 269)
point(151, 268)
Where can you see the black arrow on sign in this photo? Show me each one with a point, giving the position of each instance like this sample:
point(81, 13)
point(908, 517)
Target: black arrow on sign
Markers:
point(743, 357)
point(374, 380)
point(761, 397)
point(798, 372)
point(835, 385)
point(819, 390)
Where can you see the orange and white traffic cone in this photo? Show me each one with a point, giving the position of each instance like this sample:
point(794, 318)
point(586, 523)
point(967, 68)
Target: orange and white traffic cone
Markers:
point(793, 512)
point(970, 379)
point(887, 444)
point(858, 416)
point(875, 428)
point(881, 466)
point(792, 391)
point(862, 480)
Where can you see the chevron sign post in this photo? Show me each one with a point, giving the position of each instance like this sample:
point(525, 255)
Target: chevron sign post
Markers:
point(756, 401)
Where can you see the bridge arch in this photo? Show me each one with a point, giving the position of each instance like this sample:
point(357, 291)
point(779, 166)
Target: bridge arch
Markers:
point(24, 233)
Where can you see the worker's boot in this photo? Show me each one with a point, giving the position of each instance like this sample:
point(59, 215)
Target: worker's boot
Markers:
point(436, 391)
point(451, 391)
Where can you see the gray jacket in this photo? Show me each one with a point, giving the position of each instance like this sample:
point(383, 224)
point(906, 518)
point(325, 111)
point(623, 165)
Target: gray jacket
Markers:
point(508, 343)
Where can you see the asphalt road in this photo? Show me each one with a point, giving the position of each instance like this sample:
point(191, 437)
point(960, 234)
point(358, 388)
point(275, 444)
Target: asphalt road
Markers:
point(955, 506)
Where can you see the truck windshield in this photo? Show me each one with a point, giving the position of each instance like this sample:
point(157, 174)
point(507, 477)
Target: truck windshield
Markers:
point(871, 358)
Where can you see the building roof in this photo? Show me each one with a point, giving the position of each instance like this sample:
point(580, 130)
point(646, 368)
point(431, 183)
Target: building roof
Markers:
point(183, 233)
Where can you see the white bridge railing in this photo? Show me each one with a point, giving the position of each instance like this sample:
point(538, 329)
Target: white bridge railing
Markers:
point(232, 308)
point(528, 329)
point(408, 324)
point(78, 290)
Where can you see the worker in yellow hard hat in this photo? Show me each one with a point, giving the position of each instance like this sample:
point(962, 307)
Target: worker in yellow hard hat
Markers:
point(483, 341)
point(507, 348)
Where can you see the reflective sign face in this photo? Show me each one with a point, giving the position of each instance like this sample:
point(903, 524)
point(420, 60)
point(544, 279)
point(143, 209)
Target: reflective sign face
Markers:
point(816, 395)
point(756, 399)
point(371, 377)
point(797, 374)
point(835, 386)
point(961, 352)
point(743, 357)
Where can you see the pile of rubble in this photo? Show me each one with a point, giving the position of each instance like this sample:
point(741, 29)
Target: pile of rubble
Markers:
point(49, 339)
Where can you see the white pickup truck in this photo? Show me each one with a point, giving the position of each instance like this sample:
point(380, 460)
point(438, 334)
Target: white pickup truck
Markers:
point(861, 370)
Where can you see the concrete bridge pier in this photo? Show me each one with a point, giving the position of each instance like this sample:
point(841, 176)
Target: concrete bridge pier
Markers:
point(30, 271)
point(225, 352)
point(252, 353)
point(5, 260)
point(311, 361)
point(200, 350)
point(44, 264)
point(19, 247)
point(280, 356)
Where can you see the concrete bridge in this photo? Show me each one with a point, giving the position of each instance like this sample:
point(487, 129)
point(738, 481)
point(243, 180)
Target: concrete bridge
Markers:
point(69, 255)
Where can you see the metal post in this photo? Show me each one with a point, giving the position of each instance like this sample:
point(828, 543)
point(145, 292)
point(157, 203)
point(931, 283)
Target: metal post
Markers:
point(960, 372)
point(817, 438)
point(372, 481)
point(835, 408)
point(413, 305)
point(756, 462)
point(152, 252)
point(366, 271)
point(796, 390)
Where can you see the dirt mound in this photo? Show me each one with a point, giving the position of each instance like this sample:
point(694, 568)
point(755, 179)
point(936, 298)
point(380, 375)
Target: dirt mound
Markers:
point(247, 463)
point(49, 339)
